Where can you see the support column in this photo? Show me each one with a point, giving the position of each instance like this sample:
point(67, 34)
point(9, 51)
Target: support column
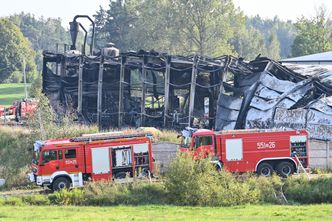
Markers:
point(167, 81)
point(100, 91)
point(192, 90)
point(143, 78)
point(80, 86)
point(122, 72)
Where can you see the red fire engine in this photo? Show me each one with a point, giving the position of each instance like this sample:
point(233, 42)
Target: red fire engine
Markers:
point(65, 163)
point(260, 151)
point(25, 108)
point(20, 110)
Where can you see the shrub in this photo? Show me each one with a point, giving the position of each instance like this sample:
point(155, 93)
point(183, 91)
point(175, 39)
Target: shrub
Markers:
point(191, 182)
point(268, 188)
point(303, 190)
point(67, 197)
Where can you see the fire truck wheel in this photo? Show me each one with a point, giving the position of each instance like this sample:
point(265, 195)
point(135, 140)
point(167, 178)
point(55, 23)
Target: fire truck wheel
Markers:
point(285, 169)
point(120, 175)
point(264, 169)
point(60, 183)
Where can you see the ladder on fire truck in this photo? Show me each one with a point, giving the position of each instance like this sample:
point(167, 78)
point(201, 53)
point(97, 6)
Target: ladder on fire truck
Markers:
point(301, 167)
point(110, 136)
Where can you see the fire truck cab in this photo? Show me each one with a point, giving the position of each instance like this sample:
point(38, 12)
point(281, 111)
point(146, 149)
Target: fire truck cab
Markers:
point(64, 163)
point(260, 151)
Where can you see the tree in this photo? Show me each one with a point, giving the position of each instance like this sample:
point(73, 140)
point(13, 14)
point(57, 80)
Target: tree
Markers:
point(116, 24)
point(284, 33)
point(273, 47)
point(205, 27)
point(14, 48)
point(44, 34)
point(249, 43)
point(314, 34)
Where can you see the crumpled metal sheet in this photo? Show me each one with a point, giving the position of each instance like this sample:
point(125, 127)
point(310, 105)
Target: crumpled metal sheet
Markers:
point(229, 106)
point(317, 119)
point(285, 118)
point(244, 82)
point(259, 119)
point(326, 78)
point(264, 92)
point(275, 84)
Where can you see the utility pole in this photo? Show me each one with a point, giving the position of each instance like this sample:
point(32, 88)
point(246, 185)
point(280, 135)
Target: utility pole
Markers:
point(25, 80)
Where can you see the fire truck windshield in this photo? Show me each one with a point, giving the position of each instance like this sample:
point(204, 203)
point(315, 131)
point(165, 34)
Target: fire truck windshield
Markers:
point(35, 159)
point(36, 151)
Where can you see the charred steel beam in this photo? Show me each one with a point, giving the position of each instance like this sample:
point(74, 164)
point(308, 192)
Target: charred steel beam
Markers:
point(167, 79)
point(80, 86)
point(143, 78)
point(100, 90)
point(192, 90)
point(85, 36)
point(122, 71)
point(74, 31)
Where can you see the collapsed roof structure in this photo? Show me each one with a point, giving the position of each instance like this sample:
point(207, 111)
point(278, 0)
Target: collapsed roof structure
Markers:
point(271, 95)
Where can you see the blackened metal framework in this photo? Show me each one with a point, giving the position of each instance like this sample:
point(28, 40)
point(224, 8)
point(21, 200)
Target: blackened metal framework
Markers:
point(136, 88)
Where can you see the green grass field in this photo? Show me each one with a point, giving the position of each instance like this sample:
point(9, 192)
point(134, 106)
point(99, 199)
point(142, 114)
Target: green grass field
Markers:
point(11, 92)
point(250, 213)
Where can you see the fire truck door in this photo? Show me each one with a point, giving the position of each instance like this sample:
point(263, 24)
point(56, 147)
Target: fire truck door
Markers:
point(203, 145)
point(69, 161)
point(49, 162)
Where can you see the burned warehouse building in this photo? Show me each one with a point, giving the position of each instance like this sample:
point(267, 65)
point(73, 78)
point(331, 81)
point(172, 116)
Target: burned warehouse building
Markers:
point(141, 88)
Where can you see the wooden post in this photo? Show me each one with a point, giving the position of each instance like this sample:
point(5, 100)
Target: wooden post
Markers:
point(122, 72)
point(100, 91)
point(192, 90)
point(167, 81)
point(80, 86)
point(143, 78)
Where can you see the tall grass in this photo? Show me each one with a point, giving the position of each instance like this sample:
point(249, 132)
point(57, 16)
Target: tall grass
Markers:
point(15, 146)
point(303, 190)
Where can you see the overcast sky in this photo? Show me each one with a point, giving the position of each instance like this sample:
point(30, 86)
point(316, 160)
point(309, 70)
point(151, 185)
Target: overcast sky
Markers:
point(67, 9)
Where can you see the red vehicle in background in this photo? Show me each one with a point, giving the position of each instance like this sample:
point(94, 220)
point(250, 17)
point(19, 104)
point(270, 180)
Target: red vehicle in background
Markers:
point(7, 112)
point(25, 108)
point(20, 110)
point(64, 163)
point(260, 151)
